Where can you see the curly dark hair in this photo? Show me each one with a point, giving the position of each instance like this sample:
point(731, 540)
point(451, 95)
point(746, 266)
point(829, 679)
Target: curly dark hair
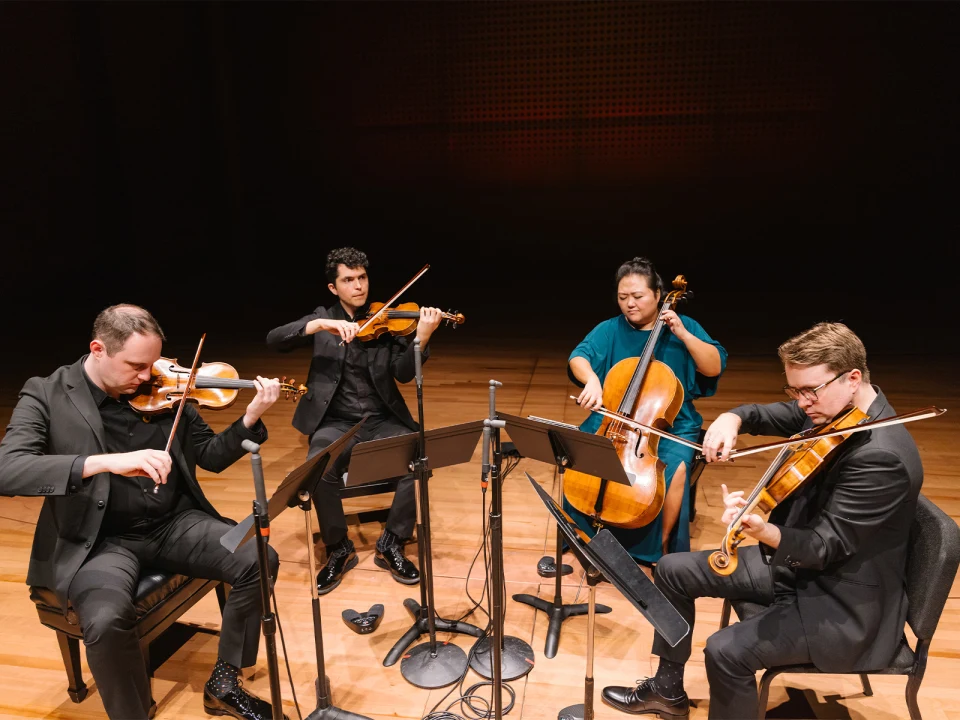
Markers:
point(351, 257)
point(115, 324)
point(641, 266)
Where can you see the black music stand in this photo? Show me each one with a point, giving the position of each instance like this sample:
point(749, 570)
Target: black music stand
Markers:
point(291, 492)
point(566, 447)
point(603, 558)
point(429, 665)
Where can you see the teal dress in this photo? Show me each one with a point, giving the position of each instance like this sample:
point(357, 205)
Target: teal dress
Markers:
point(607, 344)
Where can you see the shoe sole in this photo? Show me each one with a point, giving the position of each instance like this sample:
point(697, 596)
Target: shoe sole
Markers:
point(351, 564)
point(386, 566)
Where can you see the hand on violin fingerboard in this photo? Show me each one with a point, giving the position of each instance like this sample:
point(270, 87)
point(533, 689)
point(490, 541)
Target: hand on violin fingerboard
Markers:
point(430, 318)
point(268, 391)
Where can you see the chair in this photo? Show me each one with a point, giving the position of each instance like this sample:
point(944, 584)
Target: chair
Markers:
point(160, 601)
point(932, 560)
point(374, 488)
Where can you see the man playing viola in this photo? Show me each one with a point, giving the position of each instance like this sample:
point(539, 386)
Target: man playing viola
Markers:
point(117, 503)
point(351, 379)
point(831, 560)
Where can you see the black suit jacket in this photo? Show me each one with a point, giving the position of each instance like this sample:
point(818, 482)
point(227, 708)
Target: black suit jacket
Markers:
point(390, 360)
point(56, 421)
point(845, 535)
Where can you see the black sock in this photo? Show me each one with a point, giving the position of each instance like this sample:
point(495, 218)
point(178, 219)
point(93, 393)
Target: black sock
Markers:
point(669, 678)
point(387, 540)
point(223, 679)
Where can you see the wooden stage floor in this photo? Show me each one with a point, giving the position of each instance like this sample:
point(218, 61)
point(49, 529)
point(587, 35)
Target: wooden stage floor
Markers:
point(32, 678)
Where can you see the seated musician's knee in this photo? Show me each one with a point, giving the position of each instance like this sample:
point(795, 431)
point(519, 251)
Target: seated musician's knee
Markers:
point(722, 650)
point(104, 622)
point(668, 571)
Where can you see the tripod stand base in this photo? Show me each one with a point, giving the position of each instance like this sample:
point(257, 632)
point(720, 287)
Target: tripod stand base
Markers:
point(557, 614)
point(420, 627)
point(516, 660)
point(333, 713)
point(422, 668)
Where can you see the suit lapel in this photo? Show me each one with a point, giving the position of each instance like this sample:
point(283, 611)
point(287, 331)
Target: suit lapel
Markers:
point(80, 396)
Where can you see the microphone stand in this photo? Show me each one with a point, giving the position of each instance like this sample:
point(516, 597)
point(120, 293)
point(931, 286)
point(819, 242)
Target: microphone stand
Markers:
point(261, 521)
point(498, 657)
point(428, 665)
point(325, 709)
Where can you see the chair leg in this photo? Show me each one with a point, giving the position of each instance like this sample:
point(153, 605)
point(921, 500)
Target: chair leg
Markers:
point(865, 680)
point(913, 687)
point(765, 681)
point(725, 614)
point(70, 650)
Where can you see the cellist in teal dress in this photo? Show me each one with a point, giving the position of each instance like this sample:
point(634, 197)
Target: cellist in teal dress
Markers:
point(695, 358)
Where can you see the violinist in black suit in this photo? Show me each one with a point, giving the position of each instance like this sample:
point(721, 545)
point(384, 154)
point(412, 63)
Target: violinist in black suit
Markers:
point(116, 502)
point(830, 562)
point(351, 379)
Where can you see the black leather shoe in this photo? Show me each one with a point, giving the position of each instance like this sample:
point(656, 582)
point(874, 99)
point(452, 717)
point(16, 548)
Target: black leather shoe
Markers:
point(403, 570)
point(645, 699)
point(332, 573)
point(237, 703)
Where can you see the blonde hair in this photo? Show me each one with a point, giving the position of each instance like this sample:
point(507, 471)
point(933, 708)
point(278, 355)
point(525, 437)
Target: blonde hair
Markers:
point(831, 344)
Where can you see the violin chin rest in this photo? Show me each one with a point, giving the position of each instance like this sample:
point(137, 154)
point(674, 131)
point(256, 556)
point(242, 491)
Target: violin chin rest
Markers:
point(363, 623)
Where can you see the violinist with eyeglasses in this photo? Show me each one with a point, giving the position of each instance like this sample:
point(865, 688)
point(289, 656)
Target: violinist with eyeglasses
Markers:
point(354, 375)
point(830, 561)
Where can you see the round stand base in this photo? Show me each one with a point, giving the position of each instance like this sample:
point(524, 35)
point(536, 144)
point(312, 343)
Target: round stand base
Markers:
point(424, 670)
point(516, 660)
point(334, 713)
point(574, 712)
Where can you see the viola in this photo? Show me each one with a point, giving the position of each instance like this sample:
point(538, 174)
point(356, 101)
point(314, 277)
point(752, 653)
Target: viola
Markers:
point(215, 386)
point(647, 391)
point(398, 321)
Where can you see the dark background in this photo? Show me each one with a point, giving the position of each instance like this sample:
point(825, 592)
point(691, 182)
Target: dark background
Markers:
point(796, 161)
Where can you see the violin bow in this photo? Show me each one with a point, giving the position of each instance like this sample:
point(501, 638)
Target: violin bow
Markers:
point(390, 302)
point(921, 414)
point(191, 378)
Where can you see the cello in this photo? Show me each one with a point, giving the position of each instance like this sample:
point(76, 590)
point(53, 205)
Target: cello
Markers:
point(647, 391)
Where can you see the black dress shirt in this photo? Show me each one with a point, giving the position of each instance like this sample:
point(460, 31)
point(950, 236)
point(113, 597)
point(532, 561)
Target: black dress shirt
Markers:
point(133, 507)
point(356, 396)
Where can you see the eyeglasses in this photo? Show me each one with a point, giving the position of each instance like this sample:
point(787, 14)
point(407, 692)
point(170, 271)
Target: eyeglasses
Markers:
point(809, 394)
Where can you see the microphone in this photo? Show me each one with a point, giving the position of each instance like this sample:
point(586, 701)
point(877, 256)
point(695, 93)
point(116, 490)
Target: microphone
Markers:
point(485, 464)
point(258, 486)
point(417, 363)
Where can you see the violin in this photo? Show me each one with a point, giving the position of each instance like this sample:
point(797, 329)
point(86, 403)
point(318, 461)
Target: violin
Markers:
point(647, 391)
point(216, 386)
point(793, 468)
point(400, 320)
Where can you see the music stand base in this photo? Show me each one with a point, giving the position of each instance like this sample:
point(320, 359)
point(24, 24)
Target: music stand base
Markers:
point(574, 712)
point(425, 670)
point(557, 614)
point(516, 660)
point(420, 628)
